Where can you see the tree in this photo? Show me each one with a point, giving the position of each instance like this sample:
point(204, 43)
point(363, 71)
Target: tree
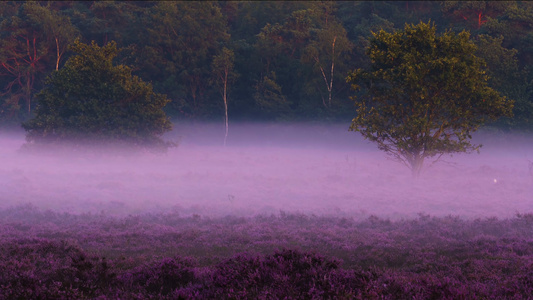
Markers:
point(474, 14)
point(509, 78)
point(325, 50)
point(22, 52)
point(58, 29)
point(307, 52)
point(270, 99)
point(514, 24)
point(424, 94)
point(223, 71)
point(91, 99)
point(30, 38)
point(181, 40)
point(104, 21)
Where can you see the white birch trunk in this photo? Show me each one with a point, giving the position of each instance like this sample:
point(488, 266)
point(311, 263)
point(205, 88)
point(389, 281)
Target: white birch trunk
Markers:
point(226, 71)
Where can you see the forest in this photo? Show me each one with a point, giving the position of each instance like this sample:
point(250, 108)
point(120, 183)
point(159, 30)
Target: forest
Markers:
point(284, 60)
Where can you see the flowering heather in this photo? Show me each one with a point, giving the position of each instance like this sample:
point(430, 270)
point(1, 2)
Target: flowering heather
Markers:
point(47, 254)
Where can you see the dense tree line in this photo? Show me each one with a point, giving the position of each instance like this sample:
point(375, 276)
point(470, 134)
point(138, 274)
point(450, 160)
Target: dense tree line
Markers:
point(289, 60)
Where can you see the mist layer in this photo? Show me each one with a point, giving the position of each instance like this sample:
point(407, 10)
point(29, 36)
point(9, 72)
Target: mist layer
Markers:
point(265, 168)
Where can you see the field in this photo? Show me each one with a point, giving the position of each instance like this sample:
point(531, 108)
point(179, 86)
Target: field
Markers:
point(296, 210)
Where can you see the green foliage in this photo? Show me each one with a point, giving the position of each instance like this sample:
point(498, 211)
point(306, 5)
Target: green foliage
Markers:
point(22, 53)
point(91, 99)
point(473, 14)
point(313, 45)
point(327, 50)
point(180, 40)
point(104, 21)
point(270, 99)
point(424, 94)
point(251, 16)
point(223, 68)
point(173, 44)
point(33, 40)
point(506, 76)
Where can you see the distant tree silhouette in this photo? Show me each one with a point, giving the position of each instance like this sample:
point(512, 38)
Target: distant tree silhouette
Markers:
point(91, 99)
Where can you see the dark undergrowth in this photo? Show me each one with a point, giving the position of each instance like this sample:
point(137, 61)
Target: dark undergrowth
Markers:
point(49, 255)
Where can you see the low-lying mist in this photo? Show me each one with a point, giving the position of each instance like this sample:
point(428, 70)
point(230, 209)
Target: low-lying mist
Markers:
point(267, 168)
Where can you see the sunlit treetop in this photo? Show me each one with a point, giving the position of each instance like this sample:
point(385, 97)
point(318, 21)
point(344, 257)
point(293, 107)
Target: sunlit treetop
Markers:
point(424, 94)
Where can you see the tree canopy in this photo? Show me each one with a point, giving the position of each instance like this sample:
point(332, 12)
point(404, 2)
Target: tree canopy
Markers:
point(90, 98)
point(292, 56)
point(424, 94)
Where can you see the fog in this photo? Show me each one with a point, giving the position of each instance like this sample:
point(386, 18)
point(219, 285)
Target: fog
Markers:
point(268, 168)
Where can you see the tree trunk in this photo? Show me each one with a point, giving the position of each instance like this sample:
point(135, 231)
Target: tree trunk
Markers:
point(226, 104)
point(28, 94)
point(329, 85)
point(330, 88)
point(58, 55)
point(416, 165)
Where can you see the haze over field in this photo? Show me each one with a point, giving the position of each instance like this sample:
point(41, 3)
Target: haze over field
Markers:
point(315, 169)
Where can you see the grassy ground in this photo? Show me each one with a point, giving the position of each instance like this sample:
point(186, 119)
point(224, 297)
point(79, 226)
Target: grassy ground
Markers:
point(47, 254)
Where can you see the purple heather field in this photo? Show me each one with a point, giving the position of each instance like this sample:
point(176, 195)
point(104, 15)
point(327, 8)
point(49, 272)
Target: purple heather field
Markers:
point(297, 211)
